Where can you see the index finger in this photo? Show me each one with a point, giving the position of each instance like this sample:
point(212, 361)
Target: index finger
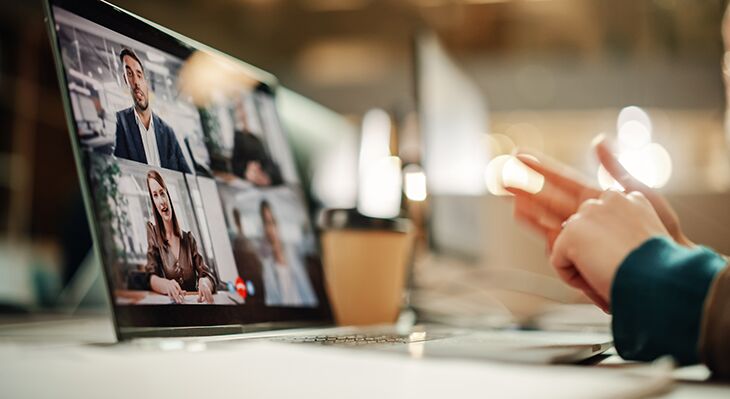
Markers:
point(616, 170)
point(553, 171)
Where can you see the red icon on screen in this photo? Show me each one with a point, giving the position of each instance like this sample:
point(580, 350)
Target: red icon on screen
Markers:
point(241, 287)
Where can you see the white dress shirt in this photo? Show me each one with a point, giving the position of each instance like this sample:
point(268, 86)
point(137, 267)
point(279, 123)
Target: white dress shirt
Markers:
point(149, 140)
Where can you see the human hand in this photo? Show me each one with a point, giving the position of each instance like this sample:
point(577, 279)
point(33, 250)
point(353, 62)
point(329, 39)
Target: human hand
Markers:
point(564, 190)
point(562, 193)
point(168, 287)
point(597, 238)
point(256, 175)
point(662, 207)
point(205, 291)
point(226, 176)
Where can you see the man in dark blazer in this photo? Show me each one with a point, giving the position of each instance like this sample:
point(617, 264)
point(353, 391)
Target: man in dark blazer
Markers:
point(142, 136)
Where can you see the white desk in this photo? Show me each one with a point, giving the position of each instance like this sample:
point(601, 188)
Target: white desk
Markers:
point(44, 359)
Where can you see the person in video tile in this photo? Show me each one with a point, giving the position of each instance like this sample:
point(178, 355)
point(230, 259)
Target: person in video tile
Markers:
point(247, 262)
point(173, 261)
point(250, 159)
point(286, 281)
point(142, 136)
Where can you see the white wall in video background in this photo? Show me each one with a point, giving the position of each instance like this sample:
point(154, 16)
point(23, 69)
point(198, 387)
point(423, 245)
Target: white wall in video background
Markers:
point(204, 193)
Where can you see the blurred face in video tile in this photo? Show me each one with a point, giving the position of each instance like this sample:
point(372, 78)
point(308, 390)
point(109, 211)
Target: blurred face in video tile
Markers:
point(272, 235)
point(161, 199)
point(137, 82)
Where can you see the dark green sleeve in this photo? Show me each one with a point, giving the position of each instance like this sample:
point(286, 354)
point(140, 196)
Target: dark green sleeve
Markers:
point(657, 300)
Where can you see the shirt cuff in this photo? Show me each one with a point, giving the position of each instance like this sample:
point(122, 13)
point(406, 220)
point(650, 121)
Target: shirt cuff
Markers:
point(657, 300)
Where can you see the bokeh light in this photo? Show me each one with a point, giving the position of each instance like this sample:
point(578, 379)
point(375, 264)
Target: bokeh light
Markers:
point(514, 174)
point(633, 134)
point(606, 181)
point(499, 144)
point(634, 127)
point(650, 164)
point(375, 140)
point(493, 175)
point(414, 180)
point(381, 185)
point(633, 113)
point(508, 171)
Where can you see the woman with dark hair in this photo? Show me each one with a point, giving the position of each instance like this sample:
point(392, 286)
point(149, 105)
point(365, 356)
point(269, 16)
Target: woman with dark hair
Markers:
point(284, 277)
point(173, 261)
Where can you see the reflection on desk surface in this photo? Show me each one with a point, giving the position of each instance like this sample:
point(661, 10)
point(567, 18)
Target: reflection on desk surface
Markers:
point(136, 297)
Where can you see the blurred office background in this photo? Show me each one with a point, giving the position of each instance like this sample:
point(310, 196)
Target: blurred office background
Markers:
point(424, 90)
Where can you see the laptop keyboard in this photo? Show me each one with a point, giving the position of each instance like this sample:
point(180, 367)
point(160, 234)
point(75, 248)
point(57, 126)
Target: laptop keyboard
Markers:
point(353, 340)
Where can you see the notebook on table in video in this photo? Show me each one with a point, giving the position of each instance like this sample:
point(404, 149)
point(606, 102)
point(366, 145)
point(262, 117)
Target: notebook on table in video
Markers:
point(193, 196)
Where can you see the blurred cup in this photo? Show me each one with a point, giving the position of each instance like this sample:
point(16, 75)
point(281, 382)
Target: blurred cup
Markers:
point(365, 265)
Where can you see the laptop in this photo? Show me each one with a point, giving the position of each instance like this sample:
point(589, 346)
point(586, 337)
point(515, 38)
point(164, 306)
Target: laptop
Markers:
point(195, 202)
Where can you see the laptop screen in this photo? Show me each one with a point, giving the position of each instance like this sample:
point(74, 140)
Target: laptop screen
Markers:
point(194, 199)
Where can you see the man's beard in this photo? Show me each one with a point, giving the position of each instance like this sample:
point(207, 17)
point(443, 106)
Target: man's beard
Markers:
point(142, 105)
